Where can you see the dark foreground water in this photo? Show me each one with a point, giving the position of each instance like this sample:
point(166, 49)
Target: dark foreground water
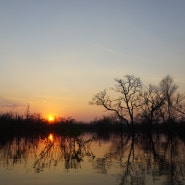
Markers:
point(92, 160)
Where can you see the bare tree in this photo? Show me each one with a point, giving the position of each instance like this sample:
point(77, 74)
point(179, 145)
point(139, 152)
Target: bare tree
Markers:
point(163, 103)
point(153, 100)
point(168, 88)
point(180, 103)
point(123, 99)
point(173, 108)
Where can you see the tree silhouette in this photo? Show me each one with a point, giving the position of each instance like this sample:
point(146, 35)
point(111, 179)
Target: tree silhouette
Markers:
point(168, 88)
point(123, 99)
point(173, 104)
point(130, 102)
point(153, 100)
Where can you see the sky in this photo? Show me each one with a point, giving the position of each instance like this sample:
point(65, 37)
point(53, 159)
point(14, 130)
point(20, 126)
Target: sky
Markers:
point(56, 54)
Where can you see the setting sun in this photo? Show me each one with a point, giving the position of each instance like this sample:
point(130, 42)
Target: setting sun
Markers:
point(51, 118)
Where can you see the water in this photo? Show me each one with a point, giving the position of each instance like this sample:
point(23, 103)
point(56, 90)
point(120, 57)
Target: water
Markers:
point(92, 159)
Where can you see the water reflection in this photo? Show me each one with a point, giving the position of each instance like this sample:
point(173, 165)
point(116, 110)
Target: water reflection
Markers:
point(50, 137)
point(57, 149)
point(130, 159)
point(151, 159)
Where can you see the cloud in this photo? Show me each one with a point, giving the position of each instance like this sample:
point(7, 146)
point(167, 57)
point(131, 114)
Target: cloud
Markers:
point(10, 104)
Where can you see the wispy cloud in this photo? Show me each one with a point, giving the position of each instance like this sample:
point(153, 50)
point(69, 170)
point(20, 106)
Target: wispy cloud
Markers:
point(10, 104)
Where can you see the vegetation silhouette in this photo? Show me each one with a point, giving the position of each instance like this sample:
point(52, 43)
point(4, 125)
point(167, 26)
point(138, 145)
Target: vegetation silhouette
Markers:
point(134, 107)
point(133, 103)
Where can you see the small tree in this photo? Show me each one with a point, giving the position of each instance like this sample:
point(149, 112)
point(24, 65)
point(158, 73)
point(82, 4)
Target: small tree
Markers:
point(123, 99)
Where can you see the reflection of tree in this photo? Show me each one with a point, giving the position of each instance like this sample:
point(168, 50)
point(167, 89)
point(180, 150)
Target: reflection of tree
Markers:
point(158, 156)
point(71, 150)
point(132, 168)
point(74, 151)
point(123, 151)
point(139, 156)
point(171, 164)
point(102, 164)
point(16, 151)
point(46, 152)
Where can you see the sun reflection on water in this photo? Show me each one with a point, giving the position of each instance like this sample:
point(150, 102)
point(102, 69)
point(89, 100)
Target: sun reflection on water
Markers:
point(51, 137)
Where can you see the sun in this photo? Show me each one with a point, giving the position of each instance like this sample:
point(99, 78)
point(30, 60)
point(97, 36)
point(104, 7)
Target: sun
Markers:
point(51, 118)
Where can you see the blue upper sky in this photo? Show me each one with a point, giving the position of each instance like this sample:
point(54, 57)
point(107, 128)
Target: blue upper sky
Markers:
point(56, 54)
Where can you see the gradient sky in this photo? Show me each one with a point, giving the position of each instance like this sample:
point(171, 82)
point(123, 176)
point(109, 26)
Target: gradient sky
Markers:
point(56, 54)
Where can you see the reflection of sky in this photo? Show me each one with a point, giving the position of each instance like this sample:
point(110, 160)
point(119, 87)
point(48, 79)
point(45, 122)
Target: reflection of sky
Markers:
point(58, 54)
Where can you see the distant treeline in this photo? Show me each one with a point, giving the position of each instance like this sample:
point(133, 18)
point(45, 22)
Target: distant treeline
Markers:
point(11, 124)
point(34, 125)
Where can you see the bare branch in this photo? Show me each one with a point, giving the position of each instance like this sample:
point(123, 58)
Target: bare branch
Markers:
point(126, 91)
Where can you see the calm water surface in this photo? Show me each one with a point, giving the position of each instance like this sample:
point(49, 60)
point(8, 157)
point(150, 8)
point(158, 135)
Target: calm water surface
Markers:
point(92, 159)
